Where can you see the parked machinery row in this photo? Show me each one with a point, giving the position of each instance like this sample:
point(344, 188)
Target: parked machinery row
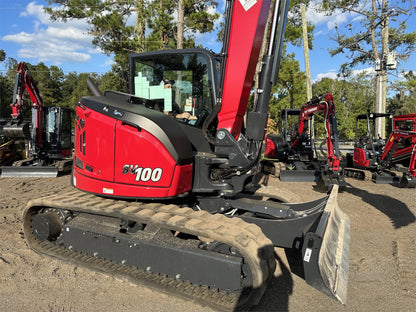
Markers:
point(40, 147)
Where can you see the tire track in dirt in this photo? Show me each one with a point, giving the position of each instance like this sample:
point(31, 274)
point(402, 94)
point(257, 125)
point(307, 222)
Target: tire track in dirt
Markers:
point(405, 257)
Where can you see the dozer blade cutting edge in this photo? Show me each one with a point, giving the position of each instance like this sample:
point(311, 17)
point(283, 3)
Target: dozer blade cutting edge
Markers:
point(386, 178)
point(59, 168)
point(299, 175)
point(29, 172)
point(325, 251)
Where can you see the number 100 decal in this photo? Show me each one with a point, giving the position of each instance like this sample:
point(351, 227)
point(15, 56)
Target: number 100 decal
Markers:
point(143, 174)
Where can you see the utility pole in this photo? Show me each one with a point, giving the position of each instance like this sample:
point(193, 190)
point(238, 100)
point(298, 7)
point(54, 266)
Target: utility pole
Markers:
point(307, 66)
point(387, 60)
point(306, 53)
point(383, 82)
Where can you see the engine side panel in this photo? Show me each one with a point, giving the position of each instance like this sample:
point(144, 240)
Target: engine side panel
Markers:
point(117, 156)
point(94, 144)
point(360, 159)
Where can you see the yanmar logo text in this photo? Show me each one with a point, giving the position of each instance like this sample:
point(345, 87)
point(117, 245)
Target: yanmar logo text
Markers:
point(143, 174)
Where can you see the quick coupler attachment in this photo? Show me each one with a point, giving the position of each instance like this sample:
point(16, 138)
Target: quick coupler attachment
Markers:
point(325, 251)
point(327, 180)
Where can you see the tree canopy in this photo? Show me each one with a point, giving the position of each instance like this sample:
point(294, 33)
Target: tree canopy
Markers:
point(123, 27)
point(404, 99)
point(374, 31)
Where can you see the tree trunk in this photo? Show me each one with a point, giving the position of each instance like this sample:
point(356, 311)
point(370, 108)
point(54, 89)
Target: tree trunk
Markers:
point(306, 53)
point(181, 17)
point(140, 26)
point(162, 32)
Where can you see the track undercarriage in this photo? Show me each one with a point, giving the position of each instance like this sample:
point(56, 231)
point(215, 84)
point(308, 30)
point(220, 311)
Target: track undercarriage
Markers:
point(360, 174)
point(215, 260)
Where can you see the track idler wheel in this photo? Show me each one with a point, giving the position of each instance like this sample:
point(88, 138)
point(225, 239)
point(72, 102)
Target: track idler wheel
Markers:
point(47, 226)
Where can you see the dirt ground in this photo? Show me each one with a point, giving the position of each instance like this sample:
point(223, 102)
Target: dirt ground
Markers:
point(382, 274)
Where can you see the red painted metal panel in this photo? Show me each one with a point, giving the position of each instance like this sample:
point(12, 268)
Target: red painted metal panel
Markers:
point(119, 160)
point(270, 150)
point(411, 118)
point(141, 159)
point(246, 35)
point(181, 181)
point(94, 143)
point(359, 158)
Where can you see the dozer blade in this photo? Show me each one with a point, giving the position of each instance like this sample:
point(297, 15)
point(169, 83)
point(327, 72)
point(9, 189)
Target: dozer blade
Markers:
point(29, 171)
point(299, 175)
point(386, 178)
point(325, 251)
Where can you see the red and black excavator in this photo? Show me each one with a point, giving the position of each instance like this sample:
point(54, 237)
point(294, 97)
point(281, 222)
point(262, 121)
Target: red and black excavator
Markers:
point(48, 137)
point(172, 202)
point(298, 152)
point(374, 158)
point(400, 148)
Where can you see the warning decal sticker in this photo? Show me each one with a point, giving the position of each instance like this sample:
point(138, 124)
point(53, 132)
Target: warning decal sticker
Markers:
point(308, 253)
point(247, 4)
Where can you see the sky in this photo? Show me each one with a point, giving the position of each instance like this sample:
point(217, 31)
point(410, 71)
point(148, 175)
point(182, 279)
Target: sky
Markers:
point(27, 34)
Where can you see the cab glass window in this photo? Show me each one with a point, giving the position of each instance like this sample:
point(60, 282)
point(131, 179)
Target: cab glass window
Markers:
point(181, 81)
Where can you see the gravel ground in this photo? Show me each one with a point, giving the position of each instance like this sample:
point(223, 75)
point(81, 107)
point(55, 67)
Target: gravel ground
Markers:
point(382, 274)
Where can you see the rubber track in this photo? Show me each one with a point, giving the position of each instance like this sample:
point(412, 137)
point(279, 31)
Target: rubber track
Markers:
point(248, 239)
point(362, 174)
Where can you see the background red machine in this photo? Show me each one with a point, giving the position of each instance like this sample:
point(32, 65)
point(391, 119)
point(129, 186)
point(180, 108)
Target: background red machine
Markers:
point(48, 137)
point(400, 148)
point(298, 151)
point(378, 159)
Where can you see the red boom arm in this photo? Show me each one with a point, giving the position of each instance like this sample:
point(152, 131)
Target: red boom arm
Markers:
point(246, 35)
point(24, 81)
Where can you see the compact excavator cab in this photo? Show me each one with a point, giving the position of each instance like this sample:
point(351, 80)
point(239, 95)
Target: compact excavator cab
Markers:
point(192, 78)
point(153, 151)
